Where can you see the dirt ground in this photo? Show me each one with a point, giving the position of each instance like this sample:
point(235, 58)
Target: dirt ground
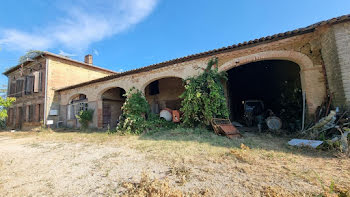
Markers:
point(193, 163)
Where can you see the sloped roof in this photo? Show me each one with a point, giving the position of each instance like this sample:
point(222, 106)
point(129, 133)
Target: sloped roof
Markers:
point(251, 43)
point(60, 57)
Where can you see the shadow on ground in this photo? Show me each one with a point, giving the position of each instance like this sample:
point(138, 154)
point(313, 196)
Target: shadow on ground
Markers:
point(253, 140)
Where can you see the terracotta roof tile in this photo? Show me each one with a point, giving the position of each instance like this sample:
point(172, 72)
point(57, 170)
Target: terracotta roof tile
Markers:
point(274, 37)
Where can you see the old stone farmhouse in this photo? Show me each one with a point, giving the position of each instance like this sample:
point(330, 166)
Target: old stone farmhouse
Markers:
point(52, 88)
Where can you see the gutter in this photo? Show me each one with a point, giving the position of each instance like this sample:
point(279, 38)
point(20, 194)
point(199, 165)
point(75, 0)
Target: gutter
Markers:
point(46, 84)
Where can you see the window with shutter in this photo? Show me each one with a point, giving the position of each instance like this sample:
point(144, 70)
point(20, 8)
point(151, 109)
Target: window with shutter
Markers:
point(31, 113)
point(19, 88)
point(29, 85)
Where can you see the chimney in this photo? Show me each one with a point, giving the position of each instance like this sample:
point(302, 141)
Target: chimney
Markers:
point(88, 59)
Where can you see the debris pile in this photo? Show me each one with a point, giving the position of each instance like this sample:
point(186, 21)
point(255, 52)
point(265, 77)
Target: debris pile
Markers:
point(333, 129)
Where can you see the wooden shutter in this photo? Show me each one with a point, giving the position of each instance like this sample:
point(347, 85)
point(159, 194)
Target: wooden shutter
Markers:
point(31, 113)
point(29, 86)
point(36, 81)
point(25, 114)
point(40, 81)
point(13, 89)
point(19, 88)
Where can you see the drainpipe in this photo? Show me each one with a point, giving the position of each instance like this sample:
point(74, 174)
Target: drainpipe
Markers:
point(46, 82)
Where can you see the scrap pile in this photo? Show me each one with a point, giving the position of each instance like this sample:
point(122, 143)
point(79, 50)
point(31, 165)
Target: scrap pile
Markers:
point(333, 129)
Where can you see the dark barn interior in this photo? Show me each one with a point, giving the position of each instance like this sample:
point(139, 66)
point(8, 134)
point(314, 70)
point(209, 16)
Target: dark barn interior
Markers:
point(275, 82)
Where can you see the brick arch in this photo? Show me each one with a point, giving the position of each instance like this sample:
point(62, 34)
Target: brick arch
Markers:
point(311, 76)
point(301, 59)
point(100, 92)
point(158, 78)
point(74, 95)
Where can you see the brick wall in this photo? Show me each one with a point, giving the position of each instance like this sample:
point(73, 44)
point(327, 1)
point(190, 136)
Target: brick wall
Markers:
point(333, 71)
point(342, 40)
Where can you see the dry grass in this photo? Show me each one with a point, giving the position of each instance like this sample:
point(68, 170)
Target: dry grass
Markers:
point(156, 188)
point(198, 160)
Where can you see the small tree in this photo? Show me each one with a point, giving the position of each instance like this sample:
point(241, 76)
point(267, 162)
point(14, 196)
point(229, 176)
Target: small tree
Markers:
point(29, 55)
point(4, 104)
point(203, 98)
point(84, 117)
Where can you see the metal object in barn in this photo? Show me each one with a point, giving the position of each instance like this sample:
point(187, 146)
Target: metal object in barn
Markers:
point(176, 116)
point(225, 127)
point(274, 123)
point(166, 114)
point(252, 108)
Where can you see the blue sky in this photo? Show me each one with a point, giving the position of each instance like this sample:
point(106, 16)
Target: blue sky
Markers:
point(127, 34)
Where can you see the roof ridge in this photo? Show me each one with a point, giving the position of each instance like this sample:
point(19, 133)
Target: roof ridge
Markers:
point(273, 37)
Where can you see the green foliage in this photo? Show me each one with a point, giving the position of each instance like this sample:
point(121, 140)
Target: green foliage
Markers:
point(29, 55)
point(137, 118)
point(203, 98)
point(85, 117)
point(135, 110)
point(4, 104)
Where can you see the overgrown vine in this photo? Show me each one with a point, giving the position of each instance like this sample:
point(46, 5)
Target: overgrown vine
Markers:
point(203, 98)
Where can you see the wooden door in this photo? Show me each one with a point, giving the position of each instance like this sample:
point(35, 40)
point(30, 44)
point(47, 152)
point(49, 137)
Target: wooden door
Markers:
point(107, 114)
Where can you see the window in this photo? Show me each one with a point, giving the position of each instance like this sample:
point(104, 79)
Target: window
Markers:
point(75, 108)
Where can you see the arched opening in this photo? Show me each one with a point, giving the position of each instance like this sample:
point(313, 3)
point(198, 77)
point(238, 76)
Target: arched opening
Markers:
point(77, 103)
point(265, 85)
point(112, 102)
point(164, 93)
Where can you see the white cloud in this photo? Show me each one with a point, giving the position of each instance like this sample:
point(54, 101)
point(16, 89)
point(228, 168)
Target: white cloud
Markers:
point(14, 39)
point(96, 52)
point(66, 54)
point(83, 23)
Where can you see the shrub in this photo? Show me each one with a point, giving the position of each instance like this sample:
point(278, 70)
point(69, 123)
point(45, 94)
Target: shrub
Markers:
point(4, 104)
point(135, 110)
point(203, 98)
point(137, 117)
point(85, 117)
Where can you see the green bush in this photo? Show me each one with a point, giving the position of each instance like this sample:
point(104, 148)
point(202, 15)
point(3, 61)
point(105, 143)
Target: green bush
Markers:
point(137, 117)
point(203, 98)
point(135, 110)
point(4, 104)
point(85, 117)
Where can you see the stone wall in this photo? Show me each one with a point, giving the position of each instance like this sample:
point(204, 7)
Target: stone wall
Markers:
point(36, 99)
point(63, 73)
